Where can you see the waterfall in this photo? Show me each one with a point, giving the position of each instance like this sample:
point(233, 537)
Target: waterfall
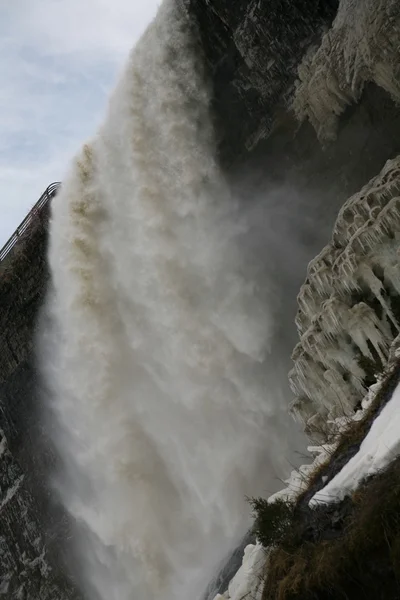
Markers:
point(168, 407)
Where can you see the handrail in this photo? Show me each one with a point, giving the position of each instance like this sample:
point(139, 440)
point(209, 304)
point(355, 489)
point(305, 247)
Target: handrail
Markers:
point(47, 195)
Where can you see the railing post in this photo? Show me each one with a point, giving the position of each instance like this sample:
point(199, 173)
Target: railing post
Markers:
point(47, 195)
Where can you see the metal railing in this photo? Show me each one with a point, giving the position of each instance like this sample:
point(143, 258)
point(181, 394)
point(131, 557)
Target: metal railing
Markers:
point(47, 195)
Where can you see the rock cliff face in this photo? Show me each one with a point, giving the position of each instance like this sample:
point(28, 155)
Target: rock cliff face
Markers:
point(29, 530)
point(253, 51)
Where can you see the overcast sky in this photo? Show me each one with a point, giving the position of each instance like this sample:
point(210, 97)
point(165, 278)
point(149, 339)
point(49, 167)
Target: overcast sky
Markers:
point(59, 60)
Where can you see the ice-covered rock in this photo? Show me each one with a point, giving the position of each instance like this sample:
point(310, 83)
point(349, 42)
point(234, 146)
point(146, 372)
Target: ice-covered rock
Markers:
point(361, 47)
point(348, 315)
point(247, 583)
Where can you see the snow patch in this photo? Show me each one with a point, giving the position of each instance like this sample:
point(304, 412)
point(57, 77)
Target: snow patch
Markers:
point(247, 583)
point(378, 449)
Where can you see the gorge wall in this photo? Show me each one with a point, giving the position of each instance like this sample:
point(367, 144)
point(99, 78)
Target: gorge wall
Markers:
point(29, 567)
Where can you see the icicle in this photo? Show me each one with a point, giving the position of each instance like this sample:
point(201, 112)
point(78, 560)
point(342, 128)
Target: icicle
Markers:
point(307, 302)
point(343, 391)
point(334, 314)
point(344, 356)
point(366, 236)
point(307, 378)
point(320, 272)
point(364, 325)
point(366, 273)
point(295, 383)
point(322, 280)
point(358, 385)
point(389, 218)
point(387, 257)
point(302, 409)
point(317, 427)
point(301, 368)
point(316, 386)
point(297, 351)
point(392, 277)
point(346, 264)
point(325, 324)
point(358, 48)
point(310, 344)
point(301, 322)
point(356, 225)
point(369, 237)
point(360, 339)
point(371, 205)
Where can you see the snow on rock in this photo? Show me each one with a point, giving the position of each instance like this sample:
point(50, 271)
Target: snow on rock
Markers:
point(378, 449)
point(298, 479)
point(361, 46)
point(247, 583)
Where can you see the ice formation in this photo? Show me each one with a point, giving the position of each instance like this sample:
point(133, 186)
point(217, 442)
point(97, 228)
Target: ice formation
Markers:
point(378, 449)
point(248, 581)
point(349, 306)
point(167, 413)
point(361, 46)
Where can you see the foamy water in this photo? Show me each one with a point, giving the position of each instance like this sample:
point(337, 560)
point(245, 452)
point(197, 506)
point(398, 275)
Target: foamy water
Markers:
point(167, 408)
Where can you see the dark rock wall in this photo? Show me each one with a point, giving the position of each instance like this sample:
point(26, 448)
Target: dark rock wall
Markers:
point(31, 528)
point(253, 49)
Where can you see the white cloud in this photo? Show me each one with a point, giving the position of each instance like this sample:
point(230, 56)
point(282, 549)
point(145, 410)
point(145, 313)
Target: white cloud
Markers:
point(94, 30)
point(59, 60)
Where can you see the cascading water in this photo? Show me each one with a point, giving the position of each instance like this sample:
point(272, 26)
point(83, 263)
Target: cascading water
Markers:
point(167, 406)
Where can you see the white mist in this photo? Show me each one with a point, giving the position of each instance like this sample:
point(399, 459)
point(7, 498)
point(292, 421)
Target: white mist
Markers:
point(167, 412)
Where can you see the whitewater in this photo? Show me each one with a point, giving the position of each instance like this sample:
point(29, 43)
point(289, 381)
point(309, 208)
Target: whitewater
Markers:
point(168, 400)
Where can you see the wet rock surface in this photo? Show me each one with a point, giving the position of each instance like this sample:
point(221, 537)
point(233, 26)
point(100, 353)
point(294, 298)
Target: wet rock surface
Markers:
point(252, 51)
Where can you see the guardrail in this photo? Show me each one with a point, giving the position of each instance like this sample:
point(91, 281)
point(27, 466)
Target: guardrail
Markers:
point(47, 195)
